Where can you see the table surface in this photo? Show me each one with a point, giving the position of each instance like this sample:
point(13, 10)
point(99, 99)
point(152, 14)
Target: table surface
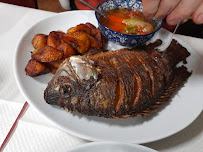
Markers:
point(34, 132)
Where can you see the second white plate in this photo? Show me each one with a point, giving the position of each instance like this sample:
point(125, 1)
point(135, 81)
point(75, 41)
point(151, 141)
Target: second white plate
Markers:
point(110, 147)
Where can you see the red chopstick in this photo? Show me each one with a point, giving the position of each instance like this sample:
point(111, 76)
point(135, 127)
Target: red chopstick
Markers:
point(10, 133)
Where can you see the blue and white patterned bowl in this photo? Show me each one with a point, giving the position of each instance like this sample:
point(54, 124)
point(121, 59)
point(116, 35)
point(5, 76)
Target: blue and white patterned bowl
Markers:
point(119, 38)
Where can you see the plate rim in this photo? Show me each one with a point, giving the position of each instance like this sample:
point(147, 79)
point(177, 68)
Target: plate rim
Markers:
point(70, 131)
point(114, 143)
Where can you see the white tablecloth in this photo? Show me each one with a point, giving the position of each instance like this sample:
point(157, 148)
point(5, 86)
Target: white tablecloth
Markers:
point(33, 132)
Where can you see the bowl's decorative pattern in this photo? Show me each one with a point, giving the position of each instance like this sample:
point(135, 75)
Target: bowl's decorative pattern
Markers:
point(119, 38)
point(110, 4)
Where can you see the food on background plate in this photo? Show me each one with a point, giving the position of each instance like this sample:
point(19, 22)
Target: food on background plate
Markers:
point(51, 50)
point(119, 84)
point(128, 21)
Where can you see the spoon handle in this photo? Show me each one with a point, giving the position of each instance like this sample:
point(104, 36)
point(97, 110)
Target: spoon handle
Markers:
point(90, 6)
point(171, 37)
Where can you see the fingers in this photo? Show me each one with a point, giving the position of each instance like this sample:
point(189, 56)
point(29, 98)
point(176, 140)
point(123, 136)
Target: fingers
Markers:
point(177, 10)
point(183, 10)
point(165, 8)
point(198, 15)
point(150, 7)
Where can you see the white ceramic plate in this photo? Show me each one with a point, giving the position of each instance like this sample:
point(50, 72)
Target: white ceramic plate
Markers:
point(110, 147)
point(180, 112)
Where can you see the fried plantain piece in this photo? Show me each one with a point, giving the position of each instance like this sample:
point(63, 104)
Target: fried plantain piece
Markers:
point(94, 43)
point(78, 40)
point(99, 37)
point(96, 34)
point(55, 38)
point(35, 51)
point(35, 68)
point(39, 40)
point(93, 51)
point(55, 64)
point(60, 31)
point(90, 25)
point(67, 50)
point(53, 70)
point(48, 54)
point(104, 41)
point(81, 28)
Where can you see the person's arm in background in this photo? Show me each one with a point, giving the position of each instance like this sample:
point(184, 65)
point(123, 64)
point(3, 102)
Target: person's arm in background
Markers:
point(65, 4)
point(175, 10)
point(94, 3)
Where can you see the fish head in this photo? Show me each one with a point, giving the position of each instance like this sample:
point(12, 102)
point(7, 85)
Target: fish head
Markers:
point(75, 77)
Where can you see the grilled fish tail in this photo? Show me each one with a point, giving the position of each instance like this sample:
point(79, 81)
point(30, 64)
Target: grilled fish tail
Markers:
point(180, 76)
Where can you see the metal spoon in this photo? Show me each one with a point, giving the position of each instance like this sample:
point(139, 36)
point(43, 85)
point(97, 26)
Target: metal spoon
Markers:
point(174, 31)
point(96, 10)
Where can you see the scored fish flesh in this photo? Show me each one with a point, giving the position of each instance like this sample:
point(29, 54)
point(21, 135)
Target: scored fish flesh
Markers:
point(119, 84)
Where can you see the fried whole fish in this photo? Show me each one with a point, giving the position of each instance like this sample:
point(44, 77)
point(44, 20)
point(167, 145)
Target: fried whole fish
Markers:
point(119, 84)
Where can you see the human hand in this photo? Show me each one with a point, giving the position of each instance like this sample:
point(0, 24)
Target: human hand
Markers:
point(175, 10)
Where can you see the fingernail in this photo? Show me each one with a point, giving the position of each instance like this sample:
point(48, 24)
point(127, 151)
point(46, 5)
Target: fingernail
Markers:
point(174, 21)
point(149, 16)
point(200, 19)
point(159, 17)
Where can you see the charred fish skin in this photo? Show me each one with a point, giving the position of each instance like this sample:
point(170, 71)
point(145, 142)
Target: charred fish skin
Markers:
point(118, 84)
point(74, 78)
